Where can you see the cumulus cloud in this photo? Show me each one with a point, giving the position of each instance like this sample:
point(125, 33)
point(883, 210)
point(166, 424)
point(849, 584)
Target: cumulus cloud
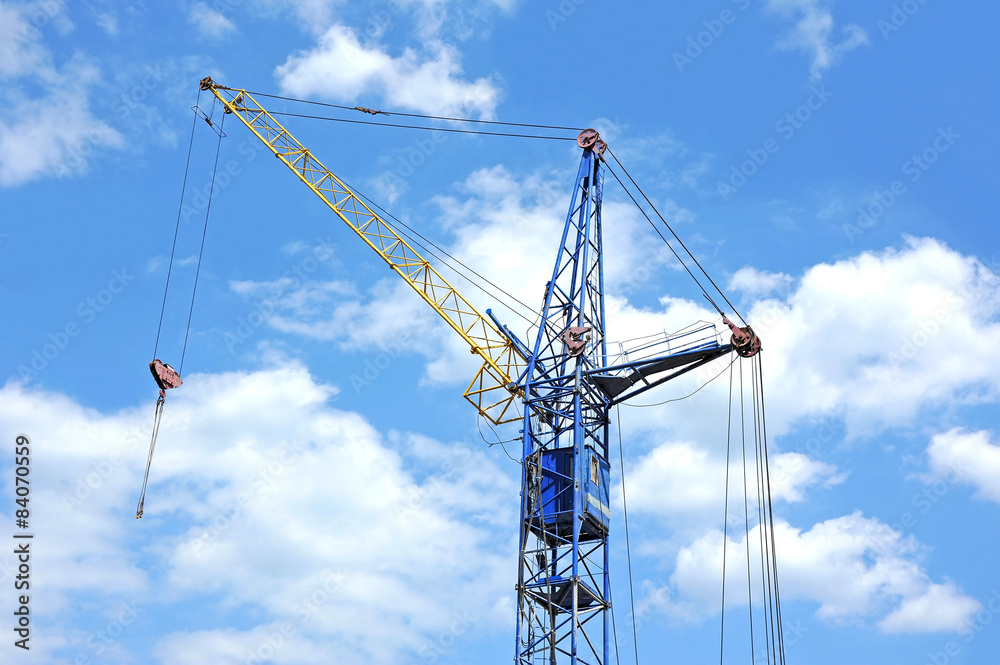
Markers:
point(20, 49)
point(969, 458)
point(940, 608)
point(53, 133)
point(209, 22)
point(814, 33)
point(757, 283)
point(881, 337)
point(271, 505)
point(792, 473)
point(313, 15)
point(341, 68)
point(855, 568)
point(686, 479)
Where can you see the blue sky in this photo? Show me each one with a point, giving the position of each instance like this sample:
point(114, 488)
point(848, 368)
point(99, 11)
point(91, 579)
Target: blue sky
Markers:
point(832, 164)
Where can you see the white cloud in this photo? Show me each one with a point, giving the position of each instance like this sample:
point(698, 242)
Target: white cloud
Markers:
point(313, 15)
point(685, 479)
point(813, 33)
point(459, 19)
point(854, 567)
point(669, 160)
point(791, 473)
point(388, 314)
point(882, 337)
point(276, 506)
point(55, 133)
point(758, 283)
point(968, 458)
point(210, 22)
point(941, 608)
point(107, 21)
point(678, 478)
point(344, 69)
point(20, 50)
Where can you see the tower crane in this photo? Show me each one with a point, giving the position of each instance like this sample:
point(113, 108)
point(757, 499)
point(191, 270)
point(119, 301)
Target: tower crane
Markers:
point(561, 386)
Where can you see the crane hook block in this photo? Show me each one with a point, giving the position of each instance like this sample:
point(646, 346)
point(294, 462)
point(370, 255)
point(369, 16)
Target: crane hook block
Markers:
point(744, 340)
point(166, 377)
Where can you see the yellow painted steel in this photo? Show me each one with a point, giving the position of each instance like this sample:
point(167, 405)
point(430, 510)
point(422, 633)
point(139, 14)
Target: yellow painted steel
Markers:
point(502, 365)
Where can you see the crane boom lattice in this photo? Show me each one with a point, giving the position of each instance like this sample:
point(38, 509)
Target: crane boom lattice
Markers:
point(502, 364)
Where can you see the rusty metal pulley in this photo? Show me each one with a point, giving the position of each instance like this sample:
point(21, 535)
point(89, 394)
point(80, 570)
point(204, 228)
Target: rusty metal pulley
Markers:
point(591, 139)
point(744, 340)
point(588, 138)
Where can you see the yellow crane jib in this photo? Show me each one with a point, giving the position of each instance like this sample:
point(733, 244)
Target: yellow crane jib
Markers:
point(493, 390)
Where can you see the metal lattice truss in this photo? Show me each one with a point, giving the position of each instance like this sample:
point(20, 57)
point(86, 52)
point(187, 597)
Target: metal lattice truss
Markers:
point(502, 365)
point(563, 586)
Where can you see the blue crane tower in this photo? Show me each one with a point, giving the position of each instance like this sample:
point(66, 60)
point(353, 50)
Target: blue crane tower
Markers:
point(569, 389)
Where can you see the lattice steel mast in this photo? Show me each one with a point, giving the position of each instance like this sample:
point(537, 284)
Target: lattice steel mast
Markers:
point(563, 589)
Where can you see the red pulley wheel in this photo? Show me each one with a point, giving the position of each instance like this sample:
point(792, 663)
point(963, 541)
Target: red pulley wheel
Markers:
point(587, 138)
